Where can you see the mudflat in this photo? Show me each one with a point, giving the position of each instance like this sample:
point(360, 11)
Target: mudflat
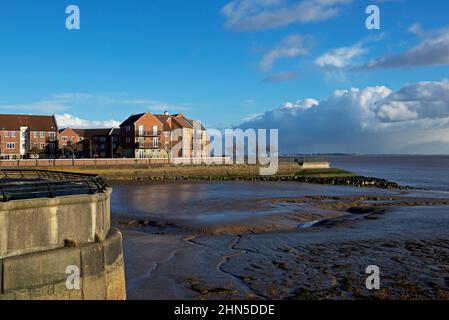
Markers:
point(288, 240)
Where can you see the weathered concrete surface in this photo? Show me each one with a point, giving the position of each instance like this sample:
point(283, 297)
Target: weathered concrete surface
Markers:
point(38, 269)
point(115, 266)
point(34, 225)
point(42, 276)
point(93, 271)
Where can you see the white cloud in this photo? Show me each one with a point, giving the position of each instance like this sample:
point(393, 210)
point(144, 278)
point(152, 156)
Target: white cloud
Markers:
point(246, 15)
point(340, 57)
point(414, 119)
point(291, 47)
point(68, 120)
point(301, 104)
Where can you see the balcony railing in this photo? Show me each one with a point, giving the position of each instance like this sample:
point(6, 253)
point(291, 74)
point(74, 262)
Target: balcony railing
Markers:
point(146, 146)
point(148, 133)
point(18, 184)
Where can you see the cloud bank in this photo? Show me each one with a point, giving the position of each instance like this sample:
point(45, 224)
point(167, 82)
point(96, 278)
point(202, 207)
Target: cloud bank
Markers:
point(414, 119)
point(433, 50)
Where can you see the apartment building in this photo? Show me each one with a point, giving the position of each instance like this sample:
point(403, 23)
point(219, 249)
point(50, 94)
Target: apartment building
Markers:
point(143, 135)
point(148, 135)
point(68, 142)
point(28, 136)
point(99, 143)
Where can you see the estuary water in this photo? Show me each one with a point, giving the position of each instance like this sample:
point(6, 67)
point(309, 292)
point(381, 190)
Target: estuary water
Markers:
point(420, 171)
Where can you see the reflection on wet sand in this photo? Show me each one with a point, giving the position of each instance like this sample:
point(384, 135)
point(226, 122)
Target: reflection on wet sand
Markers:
point(279, 240)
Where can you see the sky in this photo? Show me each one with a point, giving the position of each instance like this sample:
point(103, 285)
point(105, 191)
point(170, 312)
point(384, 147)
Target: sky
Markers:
point(309, 68)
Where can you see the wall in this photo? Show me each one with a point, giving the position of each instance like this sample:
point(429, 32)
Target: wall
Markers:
point(316, 165)
point(33, 225)
point(106, 162)
point(42, 276)
point(40, 238)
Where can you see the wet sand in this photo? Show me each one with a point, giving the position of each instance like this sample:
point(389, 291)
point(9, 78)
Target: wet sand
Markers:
point(281, 241)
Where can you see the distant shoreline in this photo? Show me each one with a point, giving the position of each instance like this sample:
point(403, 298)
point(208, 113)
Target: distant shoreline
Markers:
point(287, 172)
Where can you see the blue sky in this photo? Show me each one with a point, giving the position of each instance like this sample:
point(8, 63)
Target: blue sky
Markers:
point(219, 61)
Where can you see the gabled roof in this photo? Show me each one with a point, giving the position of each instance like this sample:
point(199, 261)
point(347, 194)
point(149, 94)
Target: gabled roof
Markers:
point(87, 133)
point(183, 123)
point(34, 123)
point(115, 132)
point(68, 129)
point(192, 122)
point(132, 119)
point(164, 119)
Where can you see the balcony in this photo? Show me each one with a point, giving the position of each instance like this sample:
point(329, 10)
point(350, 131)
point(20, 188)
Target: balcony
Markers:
point(148, 133)
point(146, 146)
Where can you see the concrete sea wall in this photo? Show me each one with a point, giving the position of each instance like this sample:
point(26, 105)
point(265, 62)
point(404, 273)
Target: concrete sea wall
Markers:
point(23, 163)
point(316, 165)
point(43, 275)
point(41, 238)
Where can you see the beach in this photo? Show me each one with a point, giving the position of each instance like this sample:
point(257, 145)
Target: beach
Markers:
point(281, 240)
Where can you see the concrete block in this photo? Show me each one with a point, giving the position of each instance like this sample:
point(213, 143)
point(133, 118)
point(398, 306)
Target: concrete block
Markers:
point(115, 270)
point(92, 259)
point(39, 269)
point(115, 281)
point(113, 247)
point(93, 272)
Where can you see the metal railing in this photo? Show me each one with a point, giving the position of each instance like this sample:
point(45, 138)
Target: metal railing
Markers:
point(148, 133)
point(19, 184)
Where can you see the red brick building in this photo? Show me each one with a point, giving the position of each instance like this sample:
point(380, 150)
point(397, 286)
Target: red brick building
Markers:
point(148, 135)
point(68, 140)
point(90, 143)
point(28, 136)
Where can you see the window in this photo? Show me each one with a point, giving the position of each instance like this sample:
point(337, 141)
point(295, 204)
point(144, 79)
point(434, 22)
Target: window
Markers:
point(128, 140)
point(42, 146)
point(36, 134)
point(42, 134)
point(72, 138)
point(128, 129)
point(155, 142)
point(10, 145)
point(52, 136)
point(13, 134)
point(6, 134)
point(51, 147)
point(64, 138)
point(103, 146)
point(141, 130)
point(155, 129)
